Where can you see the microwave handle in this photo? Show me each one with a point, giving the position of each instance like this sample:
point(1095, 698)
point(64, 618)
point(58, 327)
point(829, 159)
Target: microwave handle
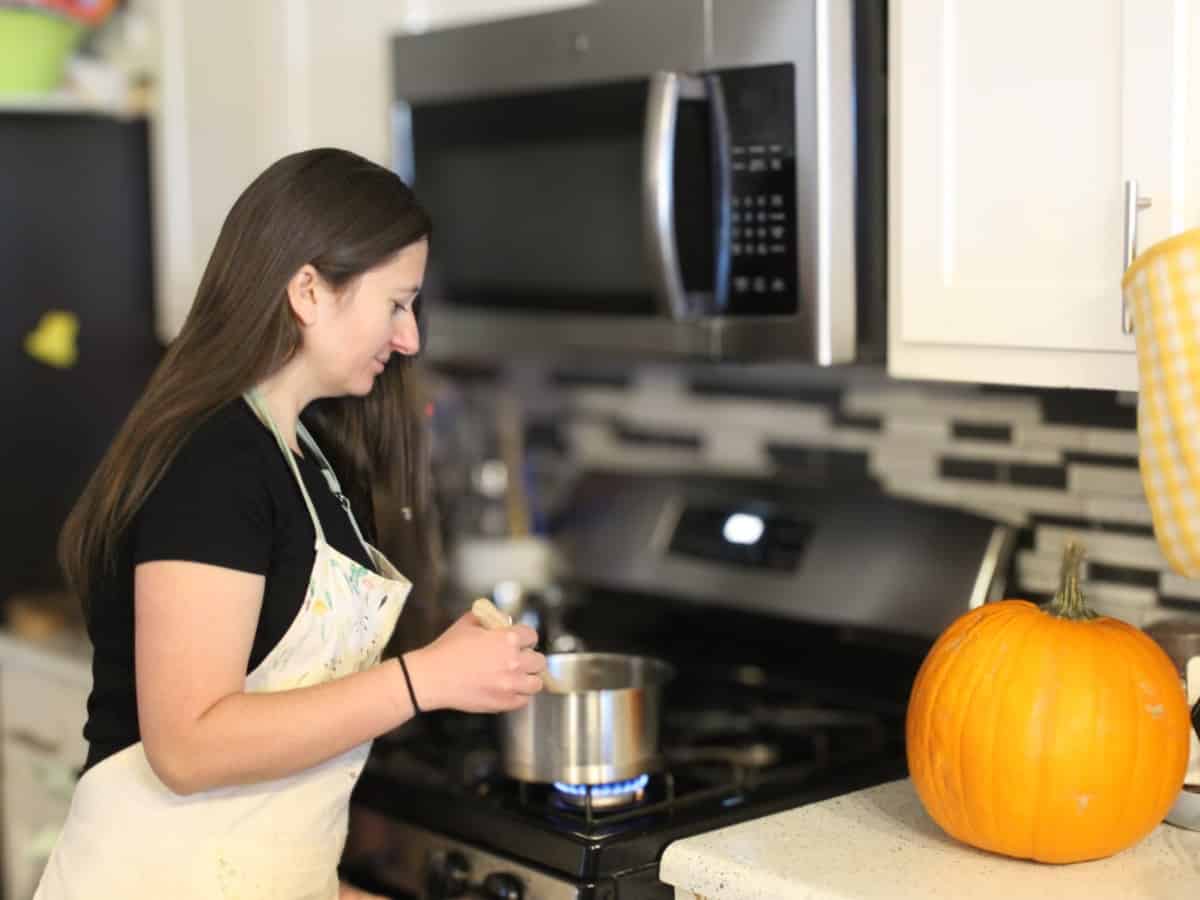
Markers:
point(722, 162)
point(658, 187)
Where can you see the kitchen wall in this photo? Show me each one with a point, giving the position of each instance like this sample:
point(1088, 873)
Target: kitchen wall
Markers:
point(1055, 463)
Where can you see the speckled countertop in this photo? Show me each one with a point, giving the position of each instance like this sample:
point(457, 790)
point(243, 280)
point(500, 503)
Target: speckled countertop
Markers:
point(880, 843)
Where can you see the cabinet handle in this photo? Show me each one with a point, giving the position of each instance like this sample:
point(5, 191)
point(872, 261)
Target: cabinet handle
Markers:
point(31, 741)
point(1133, 205)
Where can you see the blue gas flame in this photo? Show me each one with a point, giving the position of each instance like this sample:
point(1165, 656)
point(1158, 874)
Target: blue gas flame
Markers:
point(600, 791)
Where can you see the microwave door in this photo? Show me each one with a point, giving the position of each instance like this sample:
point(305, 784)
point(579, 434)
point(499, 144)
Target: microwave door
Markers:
point(607, 199)
point(659, 225)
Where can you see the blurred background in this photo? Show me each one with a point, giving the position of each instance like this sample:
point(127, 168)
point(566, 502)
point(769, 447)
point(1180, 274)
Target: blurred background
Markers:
point(128, 128)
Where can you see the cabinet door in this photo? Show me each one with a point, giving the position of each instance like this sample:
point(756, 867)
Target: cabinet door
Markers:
point(1014, 129)
point(37, 788)
point(42, 712)
point(240, 85)
point(220, 113)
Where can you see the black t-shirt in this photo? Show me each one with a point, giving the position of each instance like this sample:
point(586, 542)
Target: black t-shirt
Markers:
point(229, 499)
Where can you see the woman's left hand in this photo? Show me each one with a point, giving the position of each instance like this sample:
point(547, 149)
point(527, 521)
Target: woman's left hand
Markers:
point(349, 892)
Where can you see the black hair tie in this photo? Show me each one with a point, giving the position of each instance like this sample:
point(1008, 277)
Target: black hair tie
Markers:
point(408, 680)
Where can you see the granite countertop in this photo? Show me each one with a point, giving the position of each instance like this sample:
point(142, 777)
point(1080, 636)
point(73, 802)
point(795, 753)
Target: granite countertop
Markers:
point(880, 843)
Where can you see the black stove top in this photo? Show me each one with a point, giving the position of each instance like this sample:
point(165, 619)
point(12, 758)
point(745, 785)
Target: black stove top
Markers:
point(703, 786)
point(816, 715)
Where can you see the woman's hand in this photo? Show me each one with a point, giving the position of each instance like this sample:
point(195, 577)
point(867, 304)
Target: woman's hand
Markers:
point(476, 670)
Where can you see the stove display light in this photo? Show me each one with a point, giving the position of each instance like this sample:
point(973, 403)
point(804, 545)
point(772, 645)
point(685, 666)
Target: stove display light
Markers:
point(743, 528)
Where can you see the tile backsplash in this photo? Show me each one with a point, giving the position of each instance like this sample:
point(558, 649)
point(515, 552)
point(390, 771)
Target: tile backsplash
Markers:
point(1057, 464)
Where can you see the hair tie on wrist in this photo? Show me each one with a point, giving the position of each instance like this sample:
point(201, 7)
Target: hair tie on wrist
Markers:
point(408, 680)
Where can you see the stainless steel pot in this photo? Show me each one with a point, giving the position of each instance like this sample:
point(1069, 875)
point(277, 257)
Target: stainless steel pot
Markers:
point(603, 728)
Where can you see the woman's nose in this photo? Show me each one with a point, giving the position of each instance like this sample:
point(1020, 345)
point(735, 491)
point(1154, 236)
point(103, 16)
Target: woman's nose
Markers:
point(406, 337)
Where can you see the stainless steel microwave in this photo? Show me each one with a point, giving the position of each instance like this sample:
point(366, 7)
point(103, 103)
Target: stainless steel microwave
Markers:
point(695, 179)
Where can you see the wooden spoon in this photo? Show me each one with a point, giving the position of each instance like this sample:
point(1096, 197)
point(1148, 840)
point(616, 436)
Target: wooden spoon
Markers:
point(494, 620)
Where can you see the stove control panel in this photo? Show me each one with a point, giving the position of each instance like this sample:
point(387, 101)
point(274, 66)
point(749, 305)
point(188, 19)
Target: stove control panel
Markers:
point(412, 860)
point(749, 535)
point(448, 875)
point(499, 886)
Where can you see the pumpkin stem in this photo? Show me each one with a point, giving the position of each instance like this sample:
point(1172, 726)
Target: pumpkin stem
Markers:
point(1069, 602)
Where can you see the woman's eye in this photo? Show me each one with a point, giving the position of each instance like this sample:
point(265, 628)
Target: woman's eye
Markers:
point(406, 305)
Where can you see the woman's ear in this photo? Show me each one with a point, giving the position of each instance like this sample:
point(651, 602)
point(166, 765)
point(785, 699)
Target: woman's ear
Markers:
point(302, 293)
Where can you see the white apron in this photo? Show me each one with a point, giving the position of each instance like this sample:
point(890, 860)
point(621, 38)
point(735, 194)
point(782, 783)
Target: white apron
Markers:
point(127, 836)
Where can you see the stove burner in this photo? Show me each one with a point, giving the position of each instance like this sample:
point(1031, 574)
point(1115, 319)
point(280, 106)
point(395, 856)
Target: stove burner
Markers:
point(603, 796)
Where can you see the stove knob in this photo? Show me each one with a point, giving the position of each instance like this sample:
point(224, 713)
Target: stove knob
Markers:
point(499, 886)
point(447, 876)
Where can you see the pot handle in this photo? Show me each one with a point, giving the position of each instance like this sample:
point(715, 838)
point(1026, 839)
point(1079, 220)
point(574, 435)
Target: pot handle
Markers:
point(494, 620)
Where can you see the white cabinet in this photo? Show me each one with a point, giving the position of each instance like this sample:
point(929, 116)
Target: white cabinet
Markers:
point(1014, 129)
point(43, 706)
point(440, 13)
point(37, 797)
point(205, 131)
point(240, 85)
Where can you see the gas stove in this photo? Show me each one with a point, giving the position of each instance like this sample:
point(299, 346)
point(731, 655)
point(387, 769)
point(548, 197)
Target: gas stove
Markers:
point(434, 817)
point(776, 703)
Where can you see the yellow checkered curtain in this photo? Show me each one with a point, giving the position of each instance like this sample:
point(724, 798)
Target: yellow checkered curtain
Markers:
point(1162, 287)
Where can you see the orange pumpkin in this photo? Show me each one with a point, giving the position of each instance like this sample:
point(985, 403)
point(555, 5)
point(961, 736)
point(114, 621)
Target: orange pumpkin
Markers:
point(1050, 734)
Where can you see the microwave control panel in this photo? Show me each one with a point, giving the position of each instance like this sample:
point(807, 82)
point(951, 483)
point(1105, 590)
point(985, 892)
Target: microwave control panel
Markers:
point(762, 123)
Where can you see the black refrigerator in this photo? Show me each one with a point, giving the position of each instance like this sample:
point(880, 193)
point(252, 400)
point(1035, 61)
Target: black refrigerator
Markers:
point(75, 238)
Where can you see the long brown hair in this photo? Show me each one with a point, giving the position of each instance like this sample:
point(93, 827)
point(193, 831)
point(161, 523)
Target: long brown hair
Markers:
point(343, 215)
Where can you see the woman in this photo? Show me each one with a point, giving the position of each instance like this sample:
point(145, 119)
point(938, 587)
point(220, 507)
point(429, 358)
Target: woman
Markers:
point(237, 612)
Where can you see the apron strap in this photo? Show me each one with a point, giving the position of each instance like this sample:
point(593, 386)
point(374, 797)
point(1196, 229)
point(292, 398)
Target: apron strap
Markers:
point(254, 400)
point(331, 479)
